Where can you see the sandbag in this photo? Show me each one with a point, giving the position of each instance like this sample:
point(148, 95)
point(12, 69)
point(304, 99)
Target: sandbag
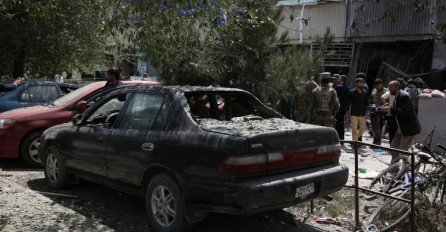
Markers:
point(425, 95)
point(437, 94)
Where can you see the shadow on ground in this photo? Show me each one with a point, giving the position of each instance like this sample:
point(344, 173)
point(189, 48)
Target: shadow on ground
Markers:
point(123, 212)
point(15, 165)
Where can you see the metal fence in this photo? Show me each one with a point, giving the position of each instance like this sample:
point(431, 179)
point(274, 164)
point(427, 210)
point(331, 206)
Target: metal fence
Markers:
point(355, 145)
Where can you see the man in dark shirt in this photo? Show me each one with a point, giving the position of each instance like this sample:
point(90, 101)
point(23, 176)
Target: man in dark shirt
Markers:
point(113, 78)
point(13, 86)
point(404, 123)
point(342, 92)
point(358, 99)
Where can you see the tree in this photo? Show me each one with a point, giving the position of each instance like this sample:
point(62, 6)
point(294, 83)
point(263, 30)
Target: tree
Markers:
point(196, 42)
point(46, 37)
point(290, 67)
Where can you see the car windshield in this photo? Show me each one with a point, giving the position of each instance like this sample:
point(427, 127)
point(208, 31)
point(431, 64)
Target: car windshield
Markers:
point(227, 106)
point(73, 95)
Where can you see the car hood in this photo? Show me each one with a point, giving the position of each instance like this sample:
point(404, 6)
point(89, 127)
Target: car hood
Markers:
point(247, 128)
point(28, 112)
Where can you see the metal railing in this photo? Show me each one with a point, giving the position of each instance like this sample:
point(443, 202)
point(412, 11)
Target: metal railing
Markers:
point(356, 186)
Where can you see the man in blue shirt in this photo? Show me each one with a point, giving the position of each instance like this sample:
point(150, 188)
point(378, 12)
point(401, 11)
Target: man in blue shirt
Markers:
point(13, 86)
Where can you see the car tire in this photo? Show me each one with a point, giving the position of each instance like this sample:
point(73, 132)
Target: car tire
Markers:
point(54, 168)
point(29, 149)
point(165, 206)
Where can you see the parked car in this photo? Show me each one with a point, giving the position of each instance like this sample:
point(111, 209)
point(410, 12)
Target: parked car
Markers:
point(20, 129)
point(193, 150)
point(33, 93)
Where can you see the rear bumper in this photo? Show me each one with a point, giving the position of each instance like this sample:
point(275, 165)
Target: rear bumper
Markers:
point(10, 144)
point(264, 193)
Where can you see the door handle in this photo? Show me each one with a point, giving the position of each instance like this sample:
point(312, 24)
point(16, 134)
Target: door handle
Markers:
point(100, 139)
point(147, 146)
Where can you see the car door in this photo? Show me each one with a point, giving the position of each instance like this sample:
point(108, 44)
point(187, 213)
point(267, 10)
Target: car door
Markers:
point(87, 144)
point(130, 145)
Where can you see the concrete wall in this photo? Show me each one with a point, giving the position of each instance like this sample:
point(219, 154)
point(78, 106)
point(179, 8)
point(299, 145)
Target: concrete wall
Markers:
point(432, 112)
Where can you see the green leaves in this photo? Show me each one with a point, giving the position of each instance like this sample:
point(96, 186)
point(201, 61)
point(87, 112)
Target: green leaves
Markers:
point(209, 40)
point(290, 67)
point(44, 37)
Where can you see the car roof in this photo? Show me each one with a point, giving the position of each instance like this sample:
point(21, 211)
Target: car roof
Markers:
point(177, 88)
point(46, 82)
point(34, 81)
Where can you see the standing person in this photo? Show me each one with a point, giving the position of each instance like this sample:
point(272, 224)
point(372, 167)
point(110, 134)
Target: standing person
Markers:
point(389, 99)
point(113, 78)
point(283, 106)
point(121, 73)
point(324, 103)
point(364, 77)
point(376, 116)
point(413, 91)
point(335, 80)
point(404, 124)
point(303, 99)
point(13, 86)
point(342, 92)
point(358, 99)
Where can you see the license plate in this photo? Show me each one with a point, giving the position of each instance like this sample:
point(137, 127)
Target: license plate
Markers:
point(304, 191)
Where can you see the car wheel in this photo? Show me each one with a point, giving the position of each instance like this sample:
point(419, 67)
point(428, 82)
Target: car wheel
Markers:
point(29, 149)
point(165, 206)
point(55, 172)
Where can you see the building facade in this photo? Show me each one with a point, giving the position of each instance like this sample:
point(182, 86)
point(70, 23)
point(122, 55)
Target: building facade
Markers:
point(369, 33)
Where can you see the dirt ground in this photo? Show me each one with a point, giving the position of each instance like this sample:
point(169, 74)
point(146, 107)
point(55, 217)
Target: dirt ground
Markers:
point(28, 204)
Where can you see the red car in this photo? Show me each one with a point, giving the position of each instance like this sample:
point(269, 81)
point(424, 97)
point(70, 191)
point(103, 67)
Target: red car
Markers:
point(20, 129)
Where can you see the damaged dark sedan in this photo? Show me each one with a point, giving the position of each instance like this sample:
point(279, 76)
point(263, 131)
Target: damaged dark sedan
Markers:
point(193, 150)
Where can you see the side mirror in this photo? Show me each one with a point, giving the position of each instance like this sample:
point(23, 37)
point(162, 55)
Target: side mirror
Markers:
point(81, 107)
point(77, 119)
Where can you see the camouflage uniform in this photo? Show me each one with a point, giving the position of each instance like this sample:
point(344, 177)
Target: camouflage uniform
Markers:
point(377, 119)
point(303, 100)
point(324, 104)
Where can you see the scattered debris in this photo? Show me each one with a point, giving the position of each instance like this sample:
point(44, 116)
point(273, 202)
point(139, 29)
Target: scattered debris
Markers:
point(327, 220)
point(370, 228)
point(368, 175)
point(4, 174)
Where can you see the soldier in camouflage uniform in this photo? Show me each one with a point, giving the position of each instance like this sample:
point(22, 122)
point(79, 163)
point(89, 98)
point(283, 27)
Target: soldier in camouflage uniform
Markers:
point(325, 103)
point(303, 99)
point(377, 117)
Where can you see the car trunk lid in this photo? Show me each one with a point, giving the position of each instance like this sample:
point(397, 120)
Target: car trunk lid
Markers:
point(276, 144)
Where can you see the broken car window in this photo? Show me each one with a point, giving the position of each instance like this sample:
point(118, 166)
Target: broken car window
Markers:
point(227, 106)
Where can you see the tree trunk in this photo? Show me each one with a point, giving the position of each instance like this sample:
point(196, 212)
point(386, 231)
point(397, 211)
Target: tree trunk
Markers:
point(19, 65)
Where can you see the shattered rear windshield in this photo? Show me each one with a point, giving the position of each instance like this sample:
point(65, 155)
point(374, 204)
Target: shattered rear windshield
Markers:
point(227, 106)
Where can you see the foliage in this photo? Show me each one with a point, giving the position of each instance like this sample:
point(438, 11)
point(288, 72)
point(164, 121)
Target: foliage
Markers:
point(196, 42)
point(291, 67)
point(45, 37)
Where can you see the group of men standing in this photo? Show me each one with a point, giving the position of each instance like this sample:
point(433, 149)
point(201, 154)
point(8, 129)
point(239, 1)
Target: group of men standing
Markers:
point(327, 100)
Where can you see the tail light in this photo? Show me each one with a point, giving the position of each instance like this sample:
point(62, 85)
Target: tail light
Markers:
point(256, 163)
point(329, 152)
point(241, 165)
